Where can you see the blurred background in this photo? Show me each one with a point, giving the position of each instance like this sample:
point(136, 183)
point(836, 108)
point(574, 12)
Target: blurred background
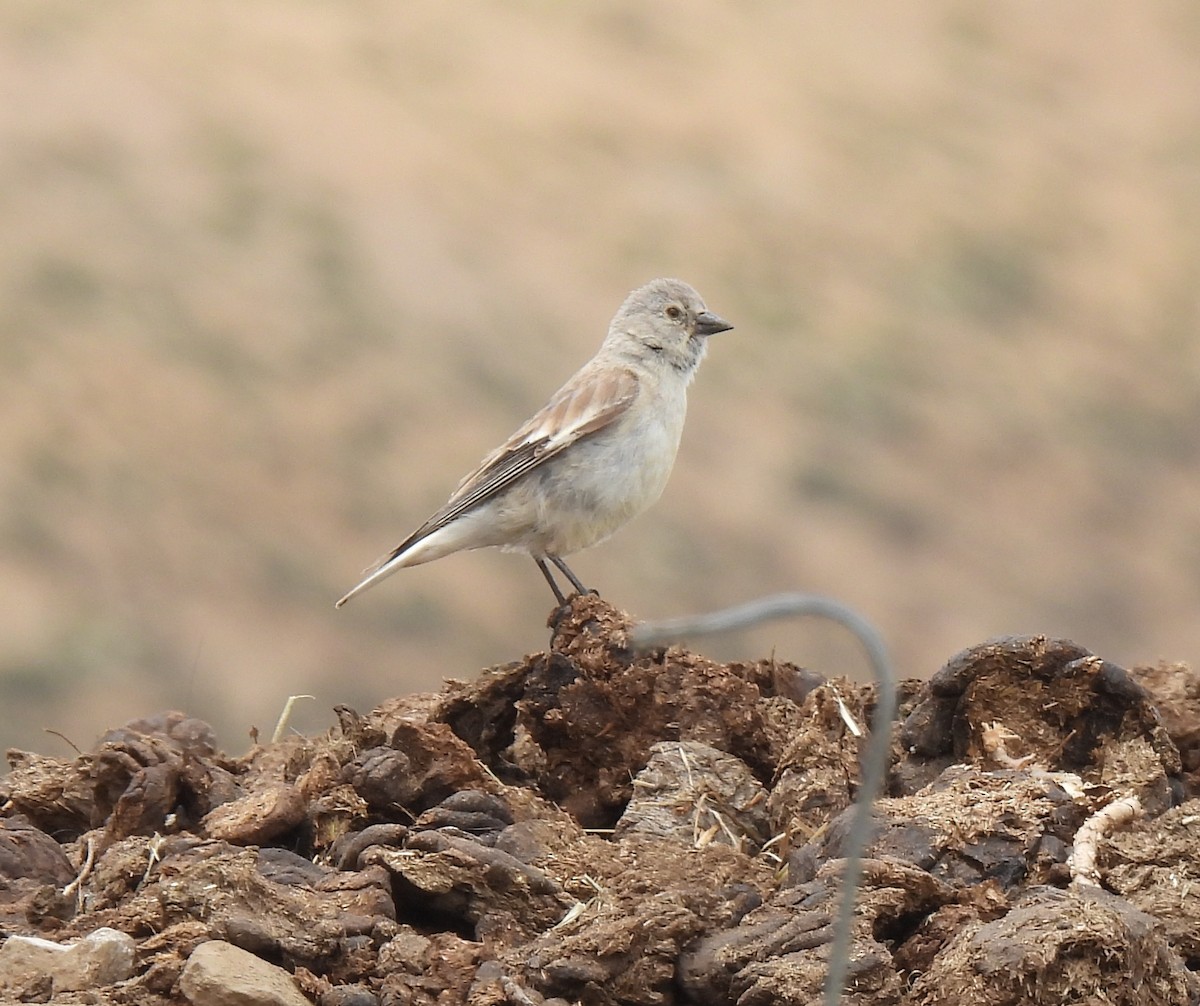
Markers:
point(274, 276)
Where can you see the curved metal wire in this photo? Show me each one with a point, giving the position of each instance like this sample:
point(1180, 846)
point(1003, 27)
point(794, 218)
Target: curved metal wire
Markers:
point(875, 760)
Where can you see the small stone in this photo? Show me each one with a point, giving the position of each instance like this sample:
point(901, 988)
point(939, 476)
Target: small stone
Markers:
point(100, 958)
point(406, 951)
point(349, 995)
point(257, 818)
point(220, 974)
point(692, 793)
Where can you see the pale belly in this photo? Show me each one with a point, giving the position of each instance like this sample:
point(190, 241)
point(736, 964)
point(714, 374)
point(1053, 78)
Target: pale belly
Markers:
point(604, 483)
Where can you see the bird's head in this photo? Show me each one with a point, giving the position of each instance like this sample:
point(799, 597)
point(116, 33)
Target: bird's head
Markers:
point(668, 320)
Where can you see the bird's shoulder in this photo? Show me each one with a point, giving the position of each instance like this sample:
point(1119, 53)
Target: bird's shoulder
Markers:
point(590, 401)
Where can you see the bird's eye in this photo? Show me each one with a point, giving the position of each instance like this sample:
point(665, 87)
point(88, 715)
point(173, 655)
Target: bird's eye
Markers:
point(674, 313)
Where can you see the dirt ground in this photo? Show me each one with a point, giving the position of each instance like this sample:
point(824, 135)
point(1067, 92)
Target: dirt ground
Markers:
point(598, 826)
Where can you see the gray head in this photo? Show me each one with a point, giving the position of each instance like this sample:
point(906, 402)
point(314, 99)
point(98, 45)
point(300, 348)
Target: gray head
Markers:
point(669, 318)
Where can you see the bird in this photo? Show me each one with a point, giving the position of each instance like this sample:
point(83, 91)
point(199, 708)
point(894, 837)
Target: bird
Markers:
point(595, 456)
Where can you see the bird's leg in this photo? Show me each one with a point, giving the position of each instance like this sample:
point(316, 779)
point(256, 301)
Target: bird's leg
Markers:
point(558, 594)
point(562, 608)
point(566, 571)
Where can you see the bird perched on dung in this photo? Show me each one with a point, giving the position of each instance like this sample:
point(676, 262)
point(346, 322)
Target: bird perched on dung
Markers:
point(595, 456)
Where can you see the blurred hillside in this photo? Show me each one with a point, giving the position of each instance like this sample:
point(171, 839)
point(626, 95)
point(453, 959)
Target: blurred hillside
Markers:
point(274, 276)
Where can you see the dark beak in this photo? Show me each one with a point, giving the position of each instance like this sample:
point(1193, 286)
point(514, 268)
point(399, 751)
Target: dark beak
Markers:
point(708, 323)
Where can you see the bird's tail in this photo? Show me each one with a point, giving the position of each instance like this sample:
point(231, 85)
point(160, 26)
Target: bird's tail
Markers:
point(429, 542)
point(380, 571)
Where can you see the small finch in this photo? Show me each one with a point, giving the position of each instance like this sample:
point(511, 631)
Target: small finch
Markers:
point(597, 455)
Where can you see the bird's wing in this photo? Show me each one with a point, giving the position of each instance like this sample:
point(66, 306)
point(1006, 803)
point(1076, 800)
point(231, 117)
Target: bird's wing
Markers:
point(589, 402)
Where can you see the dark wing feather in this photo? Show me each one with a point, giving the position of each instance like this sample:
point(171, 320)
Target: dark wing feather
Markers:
point(586, 404)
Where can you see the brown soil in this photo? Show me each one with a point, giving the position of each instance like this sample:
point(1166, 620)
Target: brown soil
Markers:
point(592, 825)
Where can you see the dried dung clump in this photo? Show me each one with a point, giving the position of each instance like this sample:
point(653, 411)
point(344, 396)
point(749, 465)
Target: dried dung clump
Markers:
point(596, 825)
